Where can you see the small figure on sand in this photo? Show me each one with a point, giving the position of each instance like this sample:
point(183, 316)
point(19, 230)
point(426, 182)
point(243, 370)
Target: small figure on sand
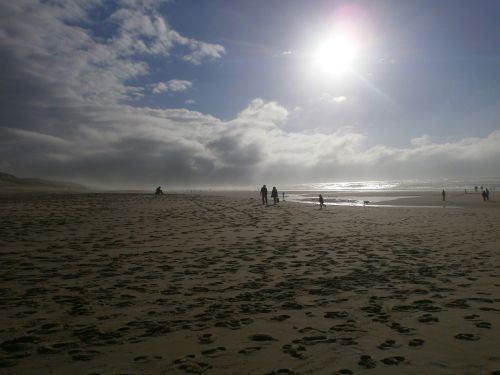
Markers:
point(283, 194)
point(321, 202)
point(274, 195)
point(486, 195)
point(444, 195)
point(158, 191)
point(263, 194)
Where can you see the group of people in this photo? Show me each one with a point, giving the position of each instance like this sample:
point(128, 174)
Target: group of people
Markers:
point(276, 199)
point(274, 195)
point(485, 193)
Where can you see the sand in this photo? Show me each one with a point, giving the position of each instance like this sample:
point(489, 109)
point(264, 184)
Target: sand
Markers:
point(218, 284)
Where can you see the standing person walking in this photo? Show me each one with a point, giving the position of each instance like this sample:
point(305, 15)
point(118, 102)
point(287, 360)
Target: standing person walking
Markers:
point(274, 195)
point(321, 202)
point(444, 195)
point(263, 194)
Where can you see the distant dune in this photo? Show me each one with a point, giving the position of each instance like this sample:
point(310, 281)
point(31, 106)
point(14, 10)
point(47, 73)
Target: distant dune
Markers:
point(12, 184)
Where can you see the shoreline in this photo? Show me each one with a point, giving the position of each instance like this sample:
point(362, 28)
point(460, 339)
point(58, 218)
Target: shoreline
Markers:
point(376, 198)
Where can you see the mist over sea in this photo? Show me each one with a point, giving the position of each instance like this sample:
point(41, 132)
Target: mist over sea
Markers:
point(361, 193)
point(399, 185)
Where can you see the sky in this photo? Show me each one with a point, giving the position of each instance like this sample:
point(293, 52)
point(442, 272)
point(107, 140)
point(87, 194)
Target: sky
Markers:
point(141, 93)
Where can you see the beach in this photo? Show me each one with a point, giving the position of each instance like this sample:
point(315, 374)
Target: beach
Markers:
point(217, 283)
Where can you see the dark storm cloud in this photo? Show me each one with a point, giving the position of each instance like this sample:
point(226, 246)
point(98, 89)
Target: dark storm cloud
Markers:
point(231, 150)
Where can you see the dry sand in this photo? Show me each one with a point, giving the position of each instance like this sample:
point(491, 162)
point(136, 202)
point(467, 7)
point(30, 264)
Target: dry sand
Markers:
point(219, 284)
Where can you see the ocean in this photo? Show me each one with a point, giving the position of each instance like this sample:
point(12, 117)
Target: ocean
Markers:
point(358, 193)
point(399, 185)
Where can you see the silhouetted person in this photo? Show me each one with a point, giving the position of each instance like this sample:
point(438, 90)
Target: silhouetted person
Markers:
point(274, 195)
point(487, 194)
point(158, 191)
point(283, 193)
point(321, 202)
point(263, 194)
point(444, 195)
point(483, 194)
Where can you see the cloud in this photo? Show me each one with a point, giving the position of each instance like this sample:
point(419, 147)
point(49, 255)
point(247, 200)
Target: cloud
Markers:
point(125, 146)
point(328, 97)
point(421, 141)
point(63, 113)
point(200, 50)
point(264, 114)
point(173, 85)
point(39, 138)
point(53, 44)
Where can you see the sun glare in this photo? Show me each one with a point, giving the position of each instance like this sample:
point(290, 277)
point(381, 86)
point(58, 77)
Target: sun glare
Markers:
point(336, 54)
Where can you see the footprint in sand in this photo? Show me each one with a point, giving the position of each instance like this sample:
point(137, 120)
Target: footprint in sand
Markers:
point(250, 350)
point(336, 314)
point(346, 327)
point(467, 337)
point(471, 317)
point(206, 338)
point(281, 371)
point(458, 304)
point(388, 344)
point(23, 343)
point(294, 350)
point(261, 337)
point(416, 343)
point(489, 309)
point(314, 340)
point(346, 341)
point(190, 366)
point(214, 352)
point(401, 329)
point(280, 318)
point(428, 318)
point(393, 360)
point(146, 358)
point(78, 355)
point(367, 361)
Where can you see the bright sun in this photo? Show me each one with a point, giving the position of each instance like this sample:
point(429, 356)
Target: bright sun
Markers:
point(336, 54)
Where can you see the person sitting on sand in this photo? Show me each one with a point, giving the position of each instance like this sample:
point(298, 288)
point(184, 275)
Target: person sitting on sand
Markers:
point(158, 191)
point(321, 202)
point(263, 194)
point(274, 195)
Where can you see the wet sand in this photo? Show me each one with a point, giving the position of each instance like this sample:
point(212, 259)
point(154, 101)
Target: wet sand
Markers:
point(219, 284)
